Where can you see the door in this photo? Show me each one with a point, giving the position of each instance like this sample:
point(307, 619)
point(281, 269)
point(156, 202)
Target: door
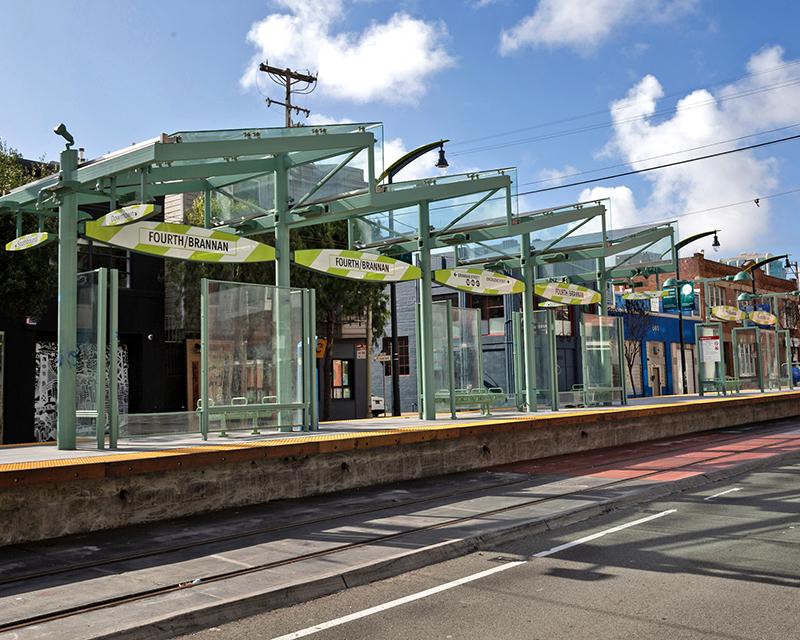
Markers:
point(655, 381)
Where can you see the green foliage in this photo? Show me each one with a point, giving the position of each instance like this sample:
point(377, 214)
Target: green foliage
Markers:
point(28, 279)
point(337, 299)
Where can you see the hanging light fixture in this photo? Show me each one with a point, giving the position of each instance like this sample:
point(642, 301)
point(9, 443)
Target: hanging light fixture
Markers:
point(715, 244)
point(442, 163)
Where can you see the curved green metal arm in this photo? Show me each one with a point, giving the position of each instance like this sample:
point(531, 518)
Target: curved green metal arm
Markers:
point(680, 245)
point(407, 159)
point(761, 263)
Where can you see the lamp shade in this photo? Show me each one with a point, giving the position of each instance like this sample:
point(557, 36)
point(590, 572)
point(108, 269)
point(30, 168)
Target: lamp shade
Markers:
point(670, 283)
point(743, 276)
point(744, 297)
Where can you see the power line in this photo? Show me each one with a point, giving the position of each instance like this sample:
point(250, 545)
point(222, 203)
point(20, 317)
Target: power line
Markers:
point(620, 107)
point(663, 155)
point(661, 166)
point(606, 125)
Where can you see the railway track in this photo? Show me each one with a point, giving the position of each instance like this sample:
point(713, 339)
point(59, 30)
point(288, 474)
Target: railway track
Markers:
point(113, 601)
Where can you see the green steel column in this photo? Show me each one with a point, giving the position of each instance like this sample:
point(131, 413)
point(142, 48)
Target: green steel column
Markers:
point(516, 339)
point(100, 362)
point(601, 286)
point(19, 224)
point(113, 346)
point(529, 348)
point(282, 279)
point(426, 315)
point(207, 208)
point(67, 305)
point(205, 401)
point(312, 312)
point(451, 365)
point(418, 359)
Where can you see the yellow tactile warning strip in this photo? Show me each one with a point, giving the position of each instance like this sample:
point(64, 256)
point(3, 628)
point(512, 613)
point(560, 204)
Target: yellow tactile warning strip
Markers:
point(124, 464)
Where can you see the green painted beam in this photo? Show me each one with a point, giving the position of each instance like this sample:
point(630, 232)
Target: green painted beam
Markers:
point(187, 151)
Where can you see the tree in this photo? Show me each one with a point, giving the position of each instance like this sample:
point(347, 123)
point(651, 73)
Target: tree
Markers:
point(637, 322)
point(28, 279)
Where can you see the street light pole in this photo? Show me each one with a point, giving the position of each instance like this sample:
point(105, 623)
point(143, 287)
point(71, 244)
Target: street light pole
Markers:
point(389, 174)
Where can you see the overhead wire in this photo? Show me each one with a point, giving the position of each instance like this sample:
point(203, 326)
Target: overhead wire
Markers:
point(619, 107)
point(606, 125)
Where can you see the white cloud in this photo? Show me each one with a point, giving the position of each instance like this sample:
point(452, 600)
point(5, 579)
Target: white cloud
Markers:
point(584, 24)
point(556, 176)
point(388, 61)
point(704, 118)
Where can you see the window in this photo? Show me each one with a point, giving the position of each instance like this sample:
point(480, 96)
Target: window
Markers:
point(342, 379)
point(492, 313)
point(404, 367)
point(93, 256)
point(716, 296)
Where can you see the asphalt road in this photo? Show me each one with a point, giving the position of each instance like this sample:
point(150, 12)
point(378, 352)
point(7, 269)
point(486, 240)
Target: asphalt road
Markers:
point(700, 566)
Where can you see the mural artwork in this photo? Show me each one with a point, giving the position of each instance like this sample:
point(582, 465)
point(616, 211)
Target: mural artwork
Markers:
point(44, 419)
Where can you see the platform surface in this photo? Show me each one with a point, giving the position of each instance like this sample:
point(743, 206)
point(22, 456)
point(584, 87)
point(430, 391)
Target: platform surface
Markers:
point(15, 458)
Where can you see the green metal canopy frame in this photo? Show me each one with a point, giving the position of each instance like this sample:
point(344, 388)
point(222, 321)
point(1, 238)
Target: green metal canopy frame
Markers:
point(214, 163)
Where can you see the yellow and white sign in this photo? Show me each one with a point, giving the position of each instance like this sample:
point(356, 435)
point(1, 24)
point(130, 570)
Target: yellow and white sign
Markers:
point(128, 214)
point(479, 281)
point(181, 241)
point(30, 240)
point(356, 265)
point(727, 313)
point(567, 293)
point(763, 318)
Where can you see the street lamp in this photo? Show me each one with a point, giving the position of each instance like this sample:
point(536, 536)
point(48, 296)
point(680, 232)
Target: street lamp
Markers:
point(388, 175)
point(675, 283)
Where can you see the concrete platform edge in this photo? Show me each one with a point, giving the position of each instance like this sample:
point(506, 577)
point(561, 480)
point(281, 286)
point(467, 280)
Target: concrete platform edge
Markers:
point(204, 617)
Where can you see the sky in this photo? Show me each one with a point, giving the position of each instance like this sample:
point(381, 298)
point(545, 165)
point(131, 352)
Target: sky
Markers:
point(554, 88)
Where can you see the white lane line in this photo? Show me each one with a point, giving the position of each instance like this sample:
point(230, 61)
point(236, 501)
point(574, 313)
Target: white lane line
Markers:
point(722, 493)
point(456, 583)
point(600, 534)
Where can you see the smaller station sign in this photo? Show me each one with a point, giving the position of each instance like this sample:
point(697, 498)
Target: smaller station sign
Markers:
point(479, 281)
point(30, 240)
point(727, 313)
point(356, 265)
point(643, 295)
point(549, 304)
point(763, 318)
point(567, 293)
point(128, 214)
point(181, 241)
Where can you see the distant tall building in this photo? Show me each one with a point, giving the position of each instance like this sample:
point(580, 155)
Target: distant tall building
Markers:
point(774, 269)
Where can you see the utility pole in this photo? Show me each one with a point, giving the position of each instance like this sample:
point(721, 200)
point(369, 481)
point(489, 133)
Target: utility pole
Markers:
point(289, 80)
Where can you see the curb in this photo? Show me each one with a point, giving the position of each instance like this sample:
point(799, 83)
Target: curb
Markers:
point(229, 611)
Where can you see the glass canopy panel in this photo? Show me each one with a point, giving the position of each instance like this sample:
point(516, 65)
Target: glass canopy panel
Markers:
point(216, 135)
point(353, 176)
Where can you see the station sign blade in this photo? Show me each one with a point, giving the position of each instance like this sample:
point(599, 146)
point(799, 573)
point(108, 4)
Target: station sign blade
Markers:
point(763, 318)
point(567, 293)
point(479, 281)
point(181, 242)
point(643, 295)
point(727, 313)
point(356, 265)
point(129, 213)
point(30, 241)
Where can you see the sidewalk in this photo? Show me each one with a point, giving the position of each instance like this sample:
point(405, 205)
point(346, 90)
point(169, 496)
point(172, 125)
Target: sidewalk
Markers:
point(167, 578)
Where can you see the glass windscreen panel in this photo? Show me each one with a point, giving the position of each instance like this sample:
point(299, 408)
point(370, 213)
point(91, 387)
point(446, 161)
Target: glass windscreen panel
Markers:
point(543, 365)
point(602, 369)
point(86, 361)
point(255, 355)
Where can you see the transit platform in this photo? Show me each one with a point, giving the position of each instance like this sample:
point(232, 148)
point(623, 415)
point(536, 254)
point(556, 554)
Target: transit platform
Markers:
point(45, 492)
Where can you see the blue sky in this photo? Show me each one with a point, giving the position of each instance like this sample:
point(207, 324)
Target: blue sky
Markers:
point(505, 71)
